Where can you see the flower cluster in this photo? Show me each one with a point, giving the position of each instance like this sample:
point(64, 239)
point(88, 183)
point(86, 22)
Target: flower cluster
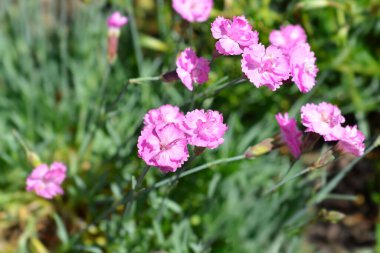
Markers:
point(193, 10)
point(325, 119)
point(289, 55)
point(46, 181)
point(167, 132)
point(192, 69)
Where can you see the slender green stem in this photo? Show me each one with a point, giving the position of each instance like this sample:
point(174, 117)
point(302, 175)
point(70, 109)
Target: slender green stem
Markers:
point(342, 197)
point(20, 140)
point(144, 79)
point(275, 187)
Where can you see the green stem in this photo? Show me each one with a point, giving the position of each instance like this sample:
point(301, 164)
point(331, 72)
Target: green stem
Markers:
point(20, 140)
point(144, 79)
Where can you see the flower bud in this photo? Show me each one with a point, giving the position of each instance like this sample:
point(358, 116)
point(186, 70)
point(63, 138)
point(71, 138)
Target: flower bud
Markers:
point(324, 159)
point(33, 159)
point(170, 76)
point(259, 149)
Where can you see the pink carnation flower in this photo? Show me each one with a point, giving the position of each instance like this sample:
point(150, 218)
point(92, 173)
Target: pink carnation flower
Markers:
point(324, 119)
point(233, 36)
point(302, 66)
point(204, 129)
point(193, 10)
point(351, 141)
point(287, 37)
point(267, 67)
point(46, 182)
point(164, 115)
point(290, 133)
point(116, 20)
point(165, 148)
point(191, 69)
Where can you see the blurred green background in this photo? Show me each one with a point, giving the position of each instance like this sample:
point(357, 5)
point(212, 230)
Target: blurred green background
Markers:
point(52, 70)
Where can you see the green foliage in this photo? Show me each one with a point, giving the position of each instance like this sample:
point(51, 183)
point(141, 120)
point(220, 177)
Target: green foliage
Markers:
point(54, 75)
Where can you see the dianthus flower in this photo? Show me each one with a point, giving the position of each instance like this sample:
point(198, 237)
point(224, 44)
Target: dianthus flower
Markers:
point(191, 69)
point(233, 36)
point(351, 141)
point(114, 23)
point(46, 182)
point(324, 119)
point(287, 37)
point(302, 67)
point(163, 115)
point(204, 128)
point(116, 20)
point(290, 133)
point(267, 67)
point(165, 148)
point(193, 10)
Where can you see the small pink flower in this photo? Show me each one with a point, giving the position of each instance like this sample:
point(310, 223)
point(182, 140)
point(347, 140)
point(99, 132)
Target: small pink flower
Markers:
point(204, 129)
point(46, 182)
point(267, 67)
point(165, 148)
point(290, 133)
point(351, 141)
point(193, 10)
point(287, 37)
point(233, 36)
point(324, 119)
point(191, 69)
point(302, 66)
point(164, 115)
point(116, 20)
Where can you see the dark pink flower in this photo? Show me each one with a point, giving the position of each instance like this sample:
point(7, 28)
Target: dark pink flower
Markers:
point(233, 36)
point(191, 69)
point(302, 66)
point(193, 10)
point(165, 148)
point(290, 133)
point(204, 129)
point(267, 67)
point(116, 20)
point(164, 115)
point(46, 182)
point(351, 141)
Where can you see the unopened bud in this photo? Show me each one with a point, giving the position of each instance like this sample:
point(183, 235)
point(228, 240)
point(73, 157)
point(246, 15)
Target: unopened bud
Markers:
point(259, 149)
point(331, 216)
point(33, 159)
point(170, 76)
point(324, 159)
point(199, 150)
point(113, 43)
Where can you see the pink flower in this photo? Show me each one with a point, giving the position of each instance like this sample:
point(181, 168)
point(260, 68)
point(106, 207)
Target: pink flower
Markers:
point(164, 115)
point(287, 37)
point(233, 36)
point(290, 133)
point(204, 129)
point(46, 182)
point(351, 141)
point(165, 148)
point(191, 69)
point(302, 66)
point(267, 67)
point(116, 20)
point(324, 119)
point(193, 10)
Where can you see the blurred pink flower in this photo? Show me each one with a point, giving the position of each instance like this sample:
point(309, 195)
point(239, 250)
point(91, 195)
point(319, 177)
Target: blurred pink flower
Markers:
point(204, 129)
point(46, 182)
point(290, 133)
point(193, 10)
point(302, 66)
point(287, 37)
point(165, 148)
point(233, 36)
point(191, 69)
point(116, 20)
point(267, 67)
point(164, 115)
point(351, 141)
point(324, 119)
